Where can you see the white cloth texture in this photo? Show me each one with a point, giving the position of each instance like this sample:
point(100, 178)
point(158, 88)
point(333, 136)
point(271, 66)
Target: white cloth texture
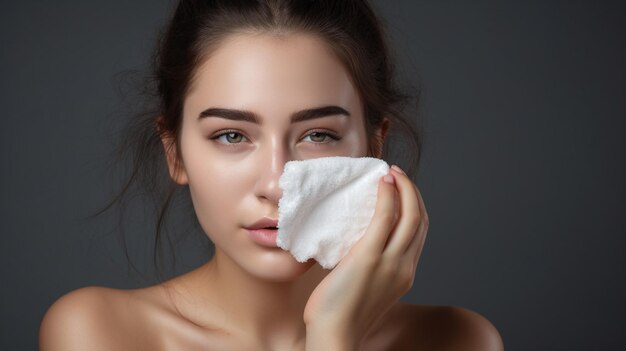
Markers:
point(326, 205)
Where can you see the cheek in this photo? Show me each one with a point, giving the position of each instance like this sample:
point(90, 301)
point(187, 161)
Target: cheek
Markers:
point(218, 186)
point(213, 190)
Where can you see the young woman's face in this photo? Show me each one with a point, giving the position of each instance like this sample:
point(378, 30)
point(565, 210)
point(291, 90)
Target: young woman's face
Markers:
point(233, 161)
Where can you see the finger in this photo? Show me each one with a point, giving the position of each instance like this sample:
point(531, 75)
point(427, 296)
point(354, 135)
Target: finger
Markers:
point(409, 260)
point(414, 251)
point(382, 221)
point(423, 222)
point(410, 216)
point(417, 244)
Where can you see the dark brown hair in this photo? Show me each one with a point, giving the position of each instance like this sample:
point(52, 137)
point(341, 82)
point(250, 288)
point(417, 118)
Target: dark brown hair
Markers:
point(350, 28)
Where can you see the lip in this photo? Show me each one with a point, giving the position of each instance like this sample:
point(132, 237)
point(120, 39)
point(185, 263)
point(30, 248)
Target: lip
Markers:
point(261, 235)
point(264, 237)
point(264, 223)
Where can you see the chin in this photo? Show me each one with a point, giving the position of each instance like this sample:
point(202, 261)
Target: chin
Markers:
point(278, 266)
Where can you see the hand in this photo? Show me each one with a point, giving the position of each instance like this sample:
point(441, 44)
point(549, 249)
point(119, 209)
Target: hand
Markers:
point(377, 270)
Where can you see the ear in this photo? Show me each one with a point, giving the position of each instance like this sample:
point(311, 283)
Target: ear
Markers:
point(175, 168)
point(379, 138)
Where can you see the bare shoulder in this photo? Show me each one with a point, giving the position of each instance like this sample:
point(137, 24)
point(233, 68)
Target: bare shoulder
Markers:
point(425, 327)
point(74, 321)
point(463, 329)
point(452, 328)
point(90, 318)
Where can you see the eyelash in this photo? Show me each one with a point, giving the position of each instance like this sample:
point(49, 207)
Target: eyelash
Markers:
point(332, 136)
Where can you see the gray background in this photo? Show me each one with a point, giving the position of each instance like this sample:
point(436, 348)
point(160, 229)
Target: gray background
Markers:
point(523, 170)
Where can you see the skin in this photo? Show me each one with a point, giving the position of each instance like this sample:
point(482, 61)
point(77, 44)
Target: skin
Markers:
point(253, 297)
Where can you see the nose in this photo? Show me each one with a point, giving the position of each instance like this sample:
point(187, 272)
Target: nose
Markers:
point(272, 159)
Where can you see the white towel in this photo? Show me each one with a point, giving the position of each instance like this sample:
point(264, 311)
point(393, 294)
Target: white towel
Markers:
point(326, 206)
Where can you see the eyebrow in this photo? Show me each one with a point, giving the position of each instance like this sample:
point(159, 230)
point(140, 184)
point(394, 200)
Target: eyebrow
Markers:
point(249, 116)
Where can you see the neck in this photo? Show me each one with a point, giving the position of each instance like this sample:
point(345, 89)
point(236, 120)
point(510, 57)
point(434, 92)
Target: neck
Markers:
point(263, 308)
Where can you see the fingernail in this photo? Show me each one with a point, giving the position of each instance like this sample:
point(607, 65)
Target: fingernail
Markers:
point(388, 179)
point(397, 169)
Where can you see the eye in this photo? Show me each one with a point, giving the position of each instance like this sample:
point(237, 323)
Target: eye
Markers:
point(229, 137)
point(319, 137)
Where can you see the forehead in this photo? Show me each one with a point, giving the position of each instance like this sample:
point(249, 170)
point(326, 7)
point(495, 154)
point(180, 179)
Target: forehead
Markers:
point(270, 73)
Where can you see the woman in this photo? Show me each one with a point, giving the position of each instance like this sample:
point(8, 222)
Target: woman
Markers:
point(244, 87)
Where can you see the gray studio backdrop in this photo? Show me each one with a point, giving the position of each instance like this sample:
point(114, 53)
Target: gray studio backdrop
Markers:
point(523, 169)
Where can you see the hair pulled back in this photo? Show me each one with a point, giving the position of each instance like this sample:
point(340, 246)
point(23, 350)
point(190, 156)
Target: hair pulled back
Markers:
point(349, 27)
